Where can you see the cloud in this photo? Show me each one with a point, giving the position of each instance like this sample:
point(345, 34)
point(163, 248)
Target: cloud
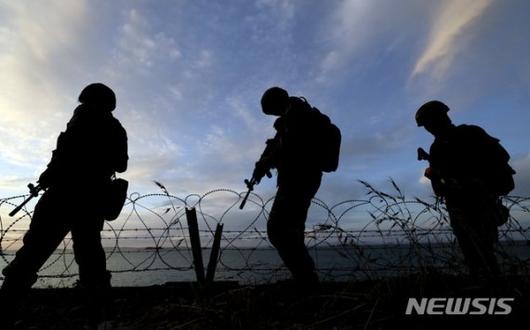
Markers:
point(256, 125)
point(142, 48)
point(52, 50)
point(14, 183)
point(281, 10)
point(445, 40)
point(347, 30)
point(189, 78)
point(162, 92)
point(40, 46)
point(362, 151)
point(522, 177)
point(204, 60)
point(44, 28)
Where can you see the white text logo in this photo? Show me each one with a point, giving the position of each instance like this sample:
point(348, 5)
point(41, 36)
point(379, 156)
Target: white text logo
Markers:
point(459, 306)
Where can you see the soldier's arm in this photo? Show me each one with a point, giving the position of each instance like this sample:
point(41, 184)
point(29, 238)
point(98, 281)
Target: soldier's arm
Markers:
point(121, 149)
point(266, 162)
point(269, 156)
point(438, 186)
point(57, 163)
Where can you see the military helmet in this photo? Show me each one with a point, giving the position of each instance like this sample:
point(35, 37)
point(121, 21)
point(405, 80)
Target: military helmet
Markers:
point(431, 110)
point(98, 94)
point(274, 100)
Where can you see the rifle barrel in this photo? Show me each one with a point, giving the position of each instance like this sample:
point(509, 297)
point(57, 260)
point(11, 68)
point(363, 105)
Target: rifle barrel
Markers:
point(33, 192)
point(244, 200)
point(250, 185)
point(18, 208)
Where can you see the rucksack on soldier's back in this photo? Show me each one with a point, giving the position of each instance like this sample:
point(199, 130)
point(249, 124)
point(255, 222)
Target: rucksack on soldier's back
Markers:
point(328, 139)
point(493, 158)
point(330, 152)
point(502, 177)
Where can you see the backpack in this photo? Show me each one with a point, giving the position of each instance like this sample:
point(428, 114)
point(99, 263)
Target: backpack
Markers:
point(330, 145)
point(501, 172)
point(492, 159)
point(327, 138)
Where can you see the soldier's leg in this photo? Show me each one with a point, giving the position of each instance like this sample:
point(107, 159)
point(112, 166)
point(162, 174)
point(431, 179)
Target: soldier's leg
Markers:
point(285, 229)
point(47, 230)
point(477, 242)
point(94, 279)
point(276, 224)
point(468, 248)
point(89, 253)
point(462, 230)
point(485, 236)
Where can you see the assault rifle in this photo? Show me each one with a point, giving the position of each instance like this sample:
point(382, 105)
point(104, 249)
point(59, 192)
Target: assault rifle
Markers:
point(272, 144)
point(250, 186)
point(33, 192)
point(439, 183)
point(423, 155)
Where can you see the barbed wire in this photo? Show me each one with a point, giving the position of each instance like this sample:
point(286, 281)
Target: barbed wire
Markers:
point(382, 234)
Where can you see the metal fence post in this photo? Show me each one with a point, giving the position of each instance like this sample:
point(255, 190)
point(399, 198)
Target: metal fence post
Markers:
point(214, 255)
point(193, 228)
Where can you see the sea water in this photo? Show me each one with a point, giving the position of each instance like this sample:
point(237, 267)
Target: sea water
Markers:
point(145, 267)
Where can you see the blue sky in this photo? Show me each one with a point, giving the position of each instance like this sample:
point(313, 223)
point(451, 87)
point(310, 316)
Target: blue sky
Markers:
point(189, 75)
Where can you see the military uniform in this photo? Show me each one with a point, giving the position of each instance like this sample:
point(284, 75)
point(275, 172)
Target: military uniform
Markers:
point(462, 172)
point(298, 181)
point(88, 153)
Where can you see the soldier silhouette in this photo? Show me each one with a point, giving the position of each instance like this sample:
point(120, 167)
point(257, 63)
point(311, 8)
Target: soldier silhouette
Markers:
point(469, 169)
point(298, 152)
point(88, 153)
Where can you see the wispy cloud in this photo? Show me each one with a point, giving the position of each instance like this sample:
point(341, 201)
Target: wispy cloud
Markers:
point(44, 28)
point(218, 145)
point(189, 77)
point(283, 10)
point(40, 43)
point(347, 29)
point(445, 41)
point(241, 111)
point(204, 60)
point(141, 47)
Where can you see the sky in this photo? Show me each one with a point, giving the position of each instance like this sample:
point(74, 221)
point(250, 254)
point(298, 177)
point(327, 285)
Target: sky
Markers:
point(189, 76)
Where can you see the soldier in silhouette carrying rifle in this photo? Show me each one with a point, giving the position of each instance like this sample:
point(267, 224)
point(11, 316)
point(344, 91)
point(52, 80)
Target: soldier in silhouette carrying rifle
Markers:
point(468, 169)
point(305, 145)
point(89, 152)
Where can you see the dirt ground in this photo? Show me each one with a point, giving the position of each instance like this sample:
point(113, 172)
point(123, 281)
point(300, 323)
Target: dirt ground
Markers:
point(377, 304)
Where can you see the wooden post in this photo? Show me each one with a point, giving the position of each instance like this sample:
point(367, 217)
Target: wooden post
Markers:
point(214, 255)
point(195, 241)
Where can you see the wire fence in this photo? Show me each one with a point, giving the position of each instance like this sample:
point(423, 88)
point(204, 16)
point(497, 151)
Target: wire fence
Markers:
point(383, 234)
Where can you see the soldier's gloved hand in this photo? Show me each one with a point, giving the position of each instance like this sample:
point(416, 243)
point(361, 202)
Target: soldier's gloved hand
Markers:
point(259, 171)
point(428, 173)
